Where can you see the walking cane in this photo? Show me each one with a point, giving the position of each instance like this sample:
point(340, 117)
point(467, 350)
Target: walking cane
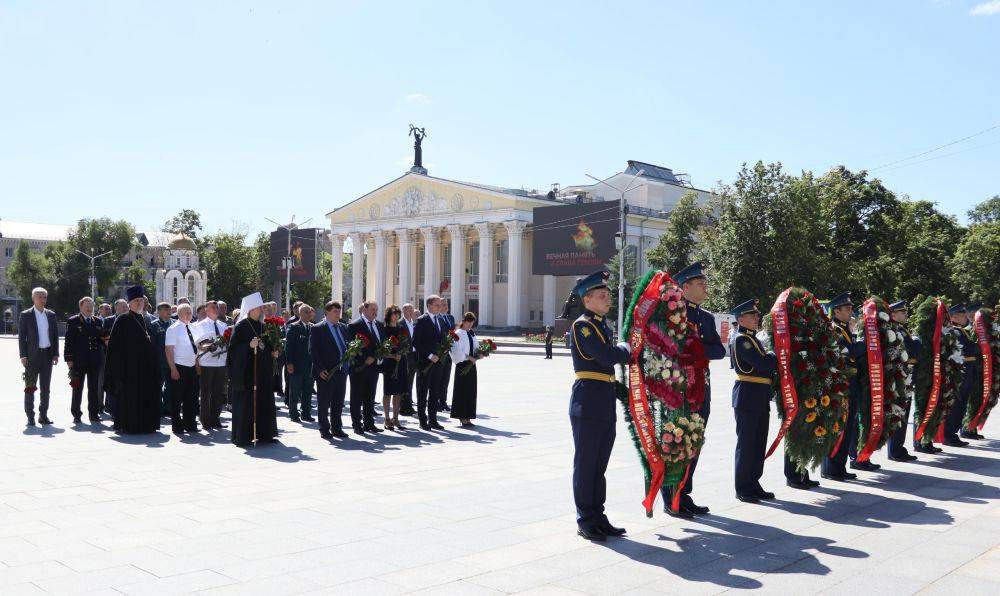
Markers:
point(254, 354)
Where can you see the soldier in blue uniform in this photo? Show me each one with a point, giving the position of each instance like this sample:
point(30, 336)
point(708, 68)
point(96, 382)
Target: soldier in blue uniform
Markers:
point(82, 353)
point(592, 404)
point(897, 451)
point(694, 284)
point(977, 375)
point(841, 310)
point(752, 395)
point(970, 352)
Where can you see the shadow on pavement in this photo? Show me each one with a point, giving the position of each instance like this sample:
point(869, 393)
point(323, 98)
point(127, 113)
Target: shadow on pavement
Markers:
point(279, 452)
point(968, 491)
point(152, 440)
point(43, 430)
point(716, 557)
point(962, 460)
point(877, 514)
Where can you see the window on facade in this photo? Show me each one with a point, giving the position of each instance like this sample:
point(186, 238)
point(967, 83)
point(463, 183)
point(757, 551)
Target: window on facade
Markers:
point(473, 262)
point(531, 315)
point(446, 264)
point(420, 264)
point(190, 293)
point(8, 252)
point(501, 262)
point(187, 261)
point(174, 290)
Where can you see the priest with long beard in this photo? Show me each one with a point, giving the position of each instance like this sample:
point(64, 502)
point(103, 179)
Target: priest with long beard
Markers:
point(132, 370)
point(251, 361)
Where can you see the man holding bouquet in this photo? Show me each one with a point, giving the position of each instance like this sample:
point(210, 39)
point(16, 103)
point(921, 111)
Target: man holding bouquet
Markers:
point(364, 369)
point(592, 405)
point(428, 333)
point(841, 309)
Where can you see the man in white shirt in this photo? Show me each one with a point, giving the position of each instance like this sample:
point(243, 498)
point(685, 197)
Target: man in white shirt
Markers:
point(181, 353)
point(213, 367)
point(38, 344)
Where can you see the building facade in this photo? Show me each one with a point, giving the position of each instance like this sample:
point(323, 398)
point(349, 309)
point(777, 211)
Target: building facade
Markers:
point(180, 276)
point(420, 235)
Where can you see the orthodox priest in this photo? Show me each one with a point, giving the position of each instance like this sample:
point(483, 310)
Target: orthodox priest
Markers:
point(251, 362)
point(132, 370)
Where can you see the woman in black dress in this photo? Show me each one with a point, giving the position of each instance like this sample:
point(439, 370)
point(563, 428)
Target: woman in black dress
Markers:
point(394, 373)
point(254, 417)
point(463, 354)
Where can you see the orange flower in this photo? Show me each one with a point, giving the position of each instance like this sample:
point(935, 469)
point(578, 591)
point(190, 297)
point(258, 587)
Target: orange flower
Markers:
point(820, 431)
point(825, 400)
point(836, 427)
point(810, 416)
point(811, 402)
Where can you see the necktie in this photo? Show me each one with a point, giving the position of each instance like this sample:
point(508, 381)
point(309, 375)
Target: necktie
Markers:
point(340, 344)
point(216, 325)
point(437, 322)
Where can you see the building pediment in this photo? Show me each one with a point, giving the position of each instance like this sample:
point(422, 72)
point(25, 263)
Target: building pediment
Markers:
point(418, 196)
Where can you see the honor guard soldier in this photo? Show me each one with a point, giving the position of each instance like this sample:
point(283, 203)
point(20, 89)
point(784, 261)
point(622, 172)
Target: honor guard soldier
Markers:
point(694, 285)
point(592, 404)
point(897, 451)
point(82, 353)
point(835, 465)
point(751, 401)
point(970, 352)
point(977, 375)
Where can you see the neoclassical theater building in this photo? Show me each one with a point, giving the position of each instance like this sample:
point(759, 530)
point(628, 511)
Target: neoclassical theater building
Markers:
point(471, 243)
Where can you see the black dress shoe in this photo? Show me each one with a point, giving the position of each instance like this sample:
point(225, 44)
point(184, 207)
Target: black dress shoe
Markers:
point(437, 426)
point(592, 534)
point(31, 422)
point(77, 420)
point(308, 419)
point(903, 457)
point(800, 484)
point(924, 448)
point(694, 509)
point(765, 495)
point(606, 528)
point(359, 431)
point(864, 465)
point(681, 513)
point(95, 419)
point(748, 498)
point(325, 435)
point(373, 429)
point(971, 435)
point(339, 434)
point(956, 442)
point(425, 426)
point(44, 420)
point(295, 419)
point(839, 477)
point(936, 449)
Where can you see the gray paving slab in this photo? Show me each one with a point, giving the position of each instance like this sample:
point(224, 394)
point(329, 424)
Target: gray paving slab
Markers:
point(481, 511)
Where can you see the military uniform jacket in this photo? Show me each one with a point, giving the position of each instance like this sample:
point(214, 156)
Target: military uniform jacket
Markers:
point(297, 346)
point(594, 360)
point(158, 330)
point(754, 371)
point(83, 342)
point(856, 356)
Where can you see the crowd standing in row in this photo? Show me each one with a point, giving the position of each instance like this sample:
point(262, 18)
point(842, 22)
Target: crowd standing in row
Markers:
point(192, 363)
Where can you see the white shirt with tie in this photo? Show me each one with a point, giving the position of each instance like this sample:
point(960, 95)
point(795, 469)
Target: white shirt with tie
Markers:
point(42, 322)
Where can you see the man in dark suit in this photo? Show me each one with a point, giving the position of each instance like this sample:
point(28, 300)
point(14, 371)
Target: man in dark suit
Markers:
point(448, 322)
point(38, 344)
point(298, 364)
point(327, 344)
point(427, 334)
point(364, 369)
point(410, 320)
point(82, 353)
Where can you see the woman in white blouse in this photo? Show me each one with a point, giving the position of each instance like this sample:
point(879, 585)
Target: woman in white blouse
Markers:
point(463, 354)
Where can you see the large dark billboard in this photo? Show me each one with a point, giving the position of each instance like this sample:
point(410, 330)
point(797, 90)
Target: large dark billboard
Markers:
point(574, 239)
point(303, 253)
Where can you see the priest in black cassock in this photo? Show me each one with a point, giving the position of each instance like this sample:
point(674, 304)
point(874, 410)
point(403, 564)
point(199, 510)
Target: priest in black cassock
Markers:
point(132, 370)
point(250, 362)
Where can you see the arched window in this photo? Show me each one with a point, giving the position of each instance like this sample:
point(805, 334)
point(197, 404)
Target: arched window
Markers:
point(190, 293)
point(173, 291)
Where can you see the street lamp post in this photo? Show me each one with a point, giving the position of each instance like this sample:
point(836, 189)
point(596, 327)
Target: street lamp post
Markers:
point(93, 275)
point(287, 261)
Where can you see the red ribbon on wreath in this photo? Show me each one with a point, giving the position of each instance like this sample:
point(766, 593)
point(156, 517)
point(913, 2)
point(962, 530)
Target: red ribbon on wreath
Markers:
point(942, 312)
point(783, 351)
point(876, 380)
point(984, 347)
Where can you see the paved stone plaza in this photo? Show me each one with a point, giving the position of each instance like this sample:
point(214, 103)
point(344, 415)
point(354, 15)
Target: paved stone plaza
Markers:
point(479, 511)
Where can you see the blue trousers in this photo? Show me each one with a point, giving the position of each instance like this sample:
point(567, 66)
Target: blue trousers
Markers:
point(953, 424)
point(751, 444)
point(836, 464)
point(592, 441)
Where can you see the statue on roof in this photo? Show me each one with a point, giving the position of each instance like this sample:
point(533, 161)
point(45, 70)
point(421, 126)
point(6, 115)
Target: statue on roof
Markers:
point(418, 135)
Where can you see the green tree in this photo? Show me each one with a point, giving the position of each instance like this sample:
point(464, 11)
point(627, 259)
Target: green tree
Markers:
point(261, 263)
point(187, 222)
point(135, 274)
point(230, 265)
point(986, 212)
point(28, 270)
point(71, 275)
point(679, 241)
point(930, 239)
point(976, 264)
point(93, 237)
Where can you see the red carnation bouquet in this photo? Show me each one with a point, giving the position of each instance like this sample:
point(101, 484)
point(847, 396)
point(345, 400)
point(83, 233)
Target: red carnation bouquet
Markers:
point(28, 376)
point(484, 349)
point(354, 349)
point(75, 380)
point(274, 330)
point(443, 348)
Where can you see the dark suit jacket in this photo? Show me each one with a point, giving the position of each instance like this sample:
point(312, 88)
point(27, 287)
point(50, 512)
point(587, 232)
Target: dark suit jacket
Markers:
point(426, 337)
point(297, 340)
point(27, 333)
point(360, 327)
point(83, 344)
point(323, 348)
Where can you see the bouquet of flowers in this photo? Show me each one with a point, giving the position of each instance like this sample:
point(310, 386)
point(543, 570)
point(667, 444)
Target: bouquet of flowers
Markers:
point(274, 331)
point(984, 395)
point(218, 343)
point(443, 348)
point(404, 347)
point(882, 380)
point(28, 376)
point(354, 349)
point(668, 364)
point(812, 388)
point(939, 370)
point(74, 378)
point(484, 349)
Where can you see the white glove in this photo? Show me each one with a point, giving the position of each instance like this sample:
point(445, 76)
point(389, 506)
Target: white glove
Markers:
point(626, 346)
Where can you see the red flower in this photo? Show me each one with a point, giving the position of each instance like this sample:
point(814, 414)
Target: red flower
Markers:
point(793, 329)
point(394, 341)
point(228, 333)
point(823, 373)
point(798, 304)
point(820, 360)
point(454, 336)
point(800, 366)
point(280, 322)
point(806, 382)
point(364, 339)
point(493, 346)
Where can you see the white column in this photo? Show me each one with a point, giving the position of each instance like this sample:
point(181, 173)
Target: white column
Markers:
point(405, 258)
point(549, 299)
point(337, 268)
point(380, 268)
point(515, 285)
point(457, 271)
point(432, 254)
point(485, 273)
point(357, 270)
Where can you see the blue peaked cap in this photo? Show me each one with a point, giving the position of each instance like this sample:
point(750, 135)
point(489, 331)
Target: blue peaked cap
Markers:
point(841, 300)
point(958, 308)
point(598, 279)
point(692, 271)
point(898, 306)
point(747, 307)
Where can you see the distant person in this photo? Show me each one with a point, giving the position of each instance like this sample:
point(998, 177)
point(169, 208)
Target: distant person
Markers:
point(548, 342)
point(394, 373)
point(38, 344)
point(182, 352)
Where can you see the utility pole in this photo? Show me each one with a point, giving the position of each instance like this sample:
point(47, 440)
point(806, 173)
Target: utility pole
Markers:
point(287, 261)
point(93, 275)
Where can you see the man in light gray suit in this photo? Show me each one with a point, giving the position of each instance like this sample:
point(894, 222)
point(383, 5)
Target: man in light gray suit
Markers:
point(38, 344)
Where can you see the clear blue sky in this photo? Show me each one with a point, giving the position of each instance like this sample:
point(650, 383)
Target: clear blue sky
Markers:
point(239, 110)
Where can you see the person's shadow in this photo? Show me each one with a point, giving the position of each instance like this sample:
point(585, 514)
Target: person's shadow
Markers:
point(207, 438)
point(933, 487)
point(43, 430)
point(152, 440)
point(962, 460)
point(717, 556)
point(877, 514)
point(279, 452)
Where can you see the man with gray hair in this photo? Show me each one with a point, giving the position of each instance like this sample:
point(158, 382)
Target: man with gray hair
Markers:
point(182, 352)
point(82, 352)
point(38, 344)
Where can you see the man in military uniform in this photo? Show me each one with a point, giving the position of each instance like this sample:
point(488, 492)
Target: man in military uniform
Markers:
point(751, 401)
point(158, 331)
point(977, 375)
point(694, 284)
point(82, 353)
point(592, 405)
point(841, 309)
point(298, 363)
point(897, 451)
point(970, 352)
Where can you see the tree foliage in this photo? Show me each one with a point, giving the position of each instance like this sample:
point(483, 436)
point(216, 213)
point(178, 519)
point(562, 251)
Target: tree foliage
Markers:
point(187, 222)
point(28, 270)
point(230, 265)
point(986, 212)
point(976, 266)
point(679, 241)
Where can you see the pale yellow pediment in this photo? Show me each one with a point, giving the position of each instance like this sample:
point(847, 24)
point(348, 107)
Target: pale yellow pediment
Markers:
point(414, 195)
